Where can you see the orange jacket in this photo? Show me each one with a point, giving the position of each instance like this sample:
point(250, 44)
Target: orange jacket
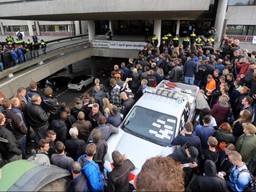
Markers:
point(210, 87)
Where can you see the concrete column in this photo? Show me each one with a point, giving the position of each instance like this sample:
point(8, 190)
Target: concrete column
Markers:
point(69, 28)
point(219, 21)
point(178, 27)
point(30, 28)
point(110, 25)
point(77, 28)
point(37, 28)
point(84, 27)
point(91, 30)
point(2, 28)
point(157, 30)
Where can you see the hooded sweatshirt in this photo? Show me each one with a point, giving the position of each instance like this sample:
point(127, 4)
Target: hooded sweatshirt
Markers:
point(209, 182)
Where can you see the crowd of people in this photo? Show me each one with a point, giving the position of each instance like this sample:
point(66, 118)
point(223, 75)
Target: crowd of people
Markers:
point(14, 52)
point(215, 152)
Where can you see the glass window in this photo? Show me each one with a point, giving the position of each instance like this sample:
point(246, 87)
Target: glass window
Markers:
point(241, 30)
point(250, 30)
point(156, 127)
point(241, 2)
point(234, 29)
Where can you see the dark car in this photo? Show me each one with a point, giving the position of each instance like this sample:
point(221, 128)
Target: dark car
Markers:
point(57, 83)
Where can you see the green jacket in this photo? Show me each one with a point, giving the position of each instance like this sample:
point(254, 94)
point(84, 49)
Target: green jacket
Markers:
point(245, 145)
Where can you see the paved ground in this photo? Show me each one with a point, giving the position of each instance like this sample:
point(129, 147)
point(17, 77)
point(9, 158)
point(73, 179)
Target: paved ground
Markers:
point(100, 65)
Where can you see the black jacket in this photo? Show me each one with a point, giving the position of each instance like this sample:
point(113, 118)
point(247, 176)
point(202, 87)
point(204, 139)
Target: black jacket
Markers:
point(191, 140)
point(51, 105)
point(221, 136)
point(210, 182)
point(101, 150)
point(75, 147)
point(15, 122)
point(8, 150)
point(118, 178)
point(36, 116)
point(126, 106)
point(60, 128)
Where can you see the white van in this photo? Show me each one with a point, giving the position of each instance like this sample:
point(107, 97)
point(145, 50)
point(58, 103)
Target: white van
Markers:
point(152, 123)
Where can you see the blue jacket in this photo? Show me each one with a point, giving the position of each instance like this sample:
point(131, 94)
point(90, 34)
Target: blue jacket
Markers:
point(239, 178)
point(191, 140)
point(94, 177)
point(190, 68)
point(220, 67)
point(204, 133)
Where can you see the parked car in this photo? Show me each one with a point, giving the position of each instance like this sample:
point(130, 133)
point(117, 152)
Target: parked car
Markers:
point(57, 83)
point(24, 175)
point(152, 123)
point(80, 82)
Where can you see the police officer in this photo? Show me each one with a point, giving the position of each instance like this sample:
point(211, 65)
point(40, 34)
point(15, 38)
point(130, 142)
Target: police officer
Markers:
point(185, 42)
point(199, 42)
point(176, 41)
point(192, 38)
point(164, 45)
point(169, 35)
point(154, 41)
point(29, 48)
point(210, 41)
point(43, 46)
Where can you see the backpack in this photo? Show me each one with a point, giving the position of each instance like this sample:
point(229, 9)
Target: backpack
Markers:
point(251, 187)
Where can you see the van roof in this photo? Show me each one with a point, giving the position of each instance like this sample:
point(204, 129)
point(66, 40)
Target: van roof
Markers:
point(169, 99)
point(161, 104)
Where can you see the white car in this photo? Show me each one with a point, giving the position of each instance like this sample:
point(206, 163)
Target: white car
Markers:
point(80, 82)
point(153, 122)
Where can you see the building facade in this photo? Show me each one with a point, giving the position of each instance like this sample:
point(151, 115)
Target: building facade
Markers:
point(130, 18)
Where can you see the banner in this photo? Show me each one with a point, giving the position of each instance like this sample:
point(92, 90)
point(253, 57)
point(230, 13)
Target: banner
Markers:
point(254, 40)
point(118, 44)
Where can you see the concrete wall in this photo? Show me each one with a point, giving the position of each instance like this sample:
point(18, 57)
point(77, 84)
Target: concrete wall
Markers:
point(241, 15)
point(9, 86)
point(24, 22)
point(65, 7)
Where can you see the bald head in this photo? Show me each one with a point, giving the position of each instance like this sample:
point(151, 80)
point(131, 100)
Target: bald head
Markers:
point(81, 115)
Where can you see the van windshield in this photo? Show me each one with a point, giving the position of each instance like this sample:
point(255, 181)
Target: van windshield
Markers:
point(150, 125)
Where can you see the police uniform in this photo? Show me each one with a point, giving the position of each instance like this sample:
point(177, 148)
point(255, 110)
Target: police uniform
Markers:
point(154, 41)
point(199, 41)
point(186, 42)
point(176, 41)
point(210, 41)
point(192, 38)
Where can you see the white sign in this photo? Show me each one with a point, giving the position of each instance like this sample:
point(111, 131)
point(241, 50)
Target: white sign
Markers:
point(23, 33)
point(254, 40)
point(118, 44)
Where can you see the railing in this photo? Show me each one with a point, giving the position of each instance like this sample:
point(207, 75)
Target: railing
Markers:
point(55, 33)
point(67, 38)
point(50, 55)
point(18, 1)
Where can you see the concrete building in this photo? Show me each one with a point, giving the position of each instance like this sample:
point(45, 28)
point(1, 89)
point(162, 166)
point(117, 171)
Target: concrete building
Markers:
point(44, 28)
point(241, 21)
point(132, 17)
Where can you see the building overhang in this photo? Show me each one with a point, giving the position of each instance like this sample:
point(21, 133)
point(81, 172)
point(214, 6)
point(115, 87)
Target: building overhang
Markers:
point(57, 10)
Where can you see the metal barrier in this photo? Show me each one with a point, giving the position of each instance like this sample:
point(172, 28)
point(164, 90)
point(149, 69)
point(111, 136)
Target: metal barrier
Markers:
point(67, 38)
point(242, 38)
point(51, 54)
point(18, 1)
